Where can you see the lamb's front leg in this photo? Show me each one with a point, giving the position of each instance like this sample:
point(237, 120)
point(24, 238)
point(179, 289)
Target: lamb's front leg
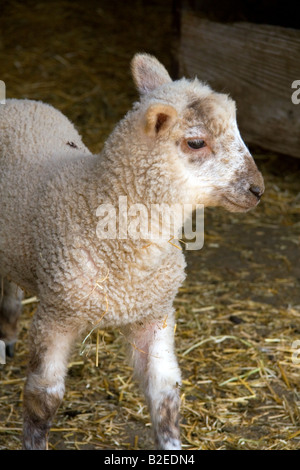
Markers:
point(156, 368)
point(50, 343)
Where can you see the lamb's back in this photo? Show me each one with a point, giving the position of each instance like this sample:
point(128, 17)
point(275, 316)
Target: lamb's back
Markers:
point(34, 137)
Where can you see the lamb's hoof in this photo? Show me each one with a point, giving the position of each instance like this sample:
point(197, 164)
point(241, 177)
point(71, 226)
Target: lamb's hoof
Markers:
point(10, 350)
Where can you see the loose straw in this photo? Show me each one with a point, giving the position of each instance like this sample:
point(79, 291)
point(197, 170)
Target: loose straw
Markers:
point(82, 349)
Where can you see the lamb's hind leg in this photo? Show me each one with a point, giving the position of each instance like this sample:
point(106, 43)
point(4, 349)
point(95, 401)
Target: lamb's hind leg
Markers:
point(156, 368)
point(11, 297)
point(50, 344)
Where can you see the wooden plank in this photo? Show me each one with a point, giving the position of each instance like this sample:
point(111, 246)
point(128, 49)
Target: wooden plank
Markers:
point(256, 65)
point(273, 12)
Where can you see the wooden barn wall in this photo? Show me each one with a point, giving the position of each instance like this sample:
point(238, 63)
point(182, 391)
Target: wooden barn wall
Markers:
point(255, 63)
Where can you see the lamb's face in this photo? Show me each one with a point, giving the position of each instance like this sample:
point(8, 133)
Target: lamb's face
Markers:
point(195, 130)
point(217, 163)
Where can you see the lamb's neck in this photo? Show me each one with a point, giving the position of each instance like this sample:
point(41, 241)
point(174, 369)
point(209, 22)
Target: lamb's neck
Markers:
point(128, 168)
point(93, 181)
point(127, 173)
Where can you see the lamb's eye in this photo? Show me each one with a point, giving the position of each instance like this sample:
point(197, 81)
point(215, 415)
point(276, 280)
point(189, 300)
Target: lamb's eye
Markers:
point(196, 144)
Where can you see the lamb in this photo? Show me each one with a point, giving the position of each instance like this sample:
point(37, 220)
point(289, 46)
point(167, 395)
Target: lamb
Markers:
point(178, 144)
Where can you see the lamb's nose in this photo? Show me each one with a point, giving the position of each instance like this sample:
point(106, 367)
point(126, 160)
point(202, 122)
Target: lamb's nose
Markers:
point(256, 190)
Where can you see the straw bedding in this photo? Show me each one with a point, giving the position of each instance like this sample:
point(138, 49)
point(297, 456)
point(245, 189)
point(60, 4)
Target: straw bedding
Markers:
point(238, 313)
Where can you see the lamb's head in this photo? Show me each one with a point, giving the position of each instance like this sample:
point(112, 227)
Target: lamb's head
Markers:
point(195, 130)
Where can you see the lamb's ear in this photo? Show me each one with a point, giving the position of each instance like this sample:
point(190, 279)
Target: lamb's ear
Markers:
point(159, 118)
point(148, 73)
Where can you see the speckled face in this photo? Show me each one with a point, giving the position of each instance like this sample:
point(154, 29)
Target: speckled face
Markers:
point(218, 163)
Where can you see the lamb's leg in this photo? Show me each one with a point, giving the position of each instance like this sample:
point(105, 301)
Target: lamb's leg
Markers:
point(50, 345)
point(156, 368)
point(11, 297)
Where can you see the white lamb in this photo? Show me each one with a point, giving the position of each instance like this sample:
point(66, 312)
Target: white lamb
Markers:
point(179, 144)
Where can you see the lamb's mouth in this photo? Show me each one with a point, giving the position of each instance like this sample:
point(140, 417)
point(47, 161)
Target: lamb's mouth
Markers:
point(237, 206)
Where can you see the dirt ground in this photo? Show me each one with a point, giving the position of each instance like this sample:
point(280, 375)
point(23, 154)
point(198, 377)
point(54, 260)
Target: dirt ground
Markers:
point(238, 312)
